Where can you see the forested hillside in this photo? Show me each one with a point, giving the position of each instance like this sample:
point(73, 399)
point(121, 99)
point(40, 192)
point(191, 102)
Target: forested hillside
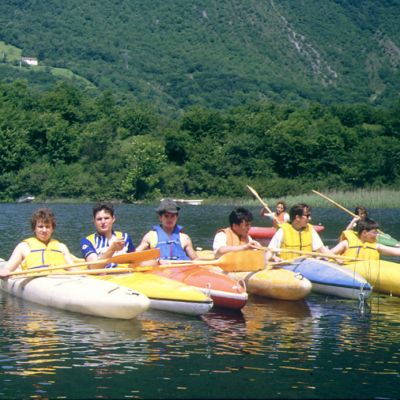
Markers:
point(65, 143)
point(178, 53)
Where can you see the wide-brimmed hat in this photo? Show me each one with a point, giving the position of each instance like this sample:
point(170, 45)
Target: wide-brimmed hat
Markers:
point(167, 205)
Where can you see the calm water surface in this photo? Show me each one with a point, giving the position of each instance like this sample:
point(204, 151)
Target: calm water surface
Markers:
point(321, 347)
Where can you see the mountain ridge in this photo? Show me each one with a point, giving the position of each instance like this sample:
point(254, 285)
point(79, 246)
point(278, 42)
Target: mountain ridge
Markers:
point(217, 54)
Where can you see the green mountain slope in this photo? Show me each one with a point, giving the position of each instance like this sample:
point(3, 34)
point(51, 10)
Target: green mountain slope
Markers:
point(176, 53)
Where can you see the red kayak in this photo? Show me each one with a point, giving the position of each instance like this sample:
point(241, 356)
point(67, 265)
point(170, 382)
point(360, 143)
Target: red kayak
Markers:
point(266, 232)
point(225, 292)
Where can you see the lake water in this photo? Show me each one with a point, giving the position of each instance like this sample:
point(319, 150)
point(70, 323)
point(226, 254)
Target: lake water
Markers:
point(321, 347)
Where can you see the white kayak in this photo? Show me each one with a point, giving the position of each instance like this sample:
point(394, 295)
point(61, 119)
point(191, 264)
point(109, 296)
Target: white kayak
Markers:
point(82, 294)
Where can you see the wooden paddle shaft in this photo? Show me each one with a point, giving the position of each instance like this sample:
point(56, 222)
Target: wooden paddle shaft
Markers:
point(334, 202)
point(127, 258)
point(253, 191)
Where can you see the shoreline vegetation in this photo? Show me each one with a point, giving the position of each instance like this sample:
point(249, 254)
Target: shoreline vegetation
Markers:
point(369, 198)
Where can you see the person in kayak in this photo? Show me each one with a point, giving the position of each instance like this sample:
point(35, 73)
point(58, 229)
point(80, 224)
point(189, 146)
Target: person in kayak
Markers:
point(105, 242)
point(236, 237)
point(279, 216)
point(40, 250)
point(168, 236)
point(362, 243)
point(297, 234)
point(360, 214)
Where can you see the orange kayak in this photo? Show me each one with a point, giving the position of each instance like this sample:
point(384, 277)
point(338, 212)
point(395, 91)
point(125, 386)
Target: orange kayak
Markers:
point(225, 292)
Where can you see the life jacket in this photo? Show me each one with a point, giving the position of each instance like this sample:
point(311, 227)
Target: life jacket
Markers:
point(232, 239)
point(278, 220)
point(357, 248)
point(295, 240)
point(101, 244)
point(41, 255)
point(170, 246)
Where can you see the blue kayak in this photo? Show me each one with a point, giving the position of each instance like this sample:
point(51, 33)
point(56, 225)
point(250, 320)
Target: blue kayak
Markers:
point(331, 279)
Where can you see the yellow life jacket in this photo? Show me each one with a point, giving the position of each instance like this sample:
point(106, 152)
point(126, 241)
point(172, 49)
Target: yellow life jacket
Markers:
point(41, 255)
point(357, 248)
point(295, 240)
point(232, 239)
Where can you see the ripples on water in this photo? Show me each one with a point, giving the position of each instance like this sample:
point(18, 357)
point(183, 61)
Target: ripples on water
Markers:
point(315, 348)
point(318, 348)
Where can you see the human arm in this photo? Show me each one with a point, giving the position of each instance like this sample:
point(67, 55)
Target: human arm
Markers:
point(220, 246)
point(17, 257)
point(188, 247)
point(145, 243)
point(352, 223)
point(265, 213)
point(275, 243)
point(388, 250)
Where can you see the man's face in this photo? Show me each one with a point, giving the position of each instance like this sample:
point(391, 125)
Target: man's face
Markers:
point(369, 236)
point(242, 229)
point(103, 222)
point(43, 231)
point(168, 220)
point(304, 219)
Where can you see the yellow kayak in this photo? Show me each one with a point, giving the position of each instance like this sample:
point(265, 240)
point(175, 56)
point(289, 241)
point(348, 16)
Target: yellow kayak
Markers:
point(383, 275)
point(276, 283)
point(165, 294)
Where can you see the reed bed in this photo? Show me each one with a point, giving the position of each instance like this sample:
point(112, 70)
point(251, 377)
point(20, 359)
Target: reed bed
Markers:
point(369, 198)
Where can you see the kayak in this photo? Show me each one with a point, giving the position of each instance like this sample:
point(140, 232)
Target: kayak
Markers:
point(224, 291)
point(383, 275)
point(332, 279)
point(165, 294)
point(387, 240)
point(275, 283)
point(81, 294)
point(266, 232)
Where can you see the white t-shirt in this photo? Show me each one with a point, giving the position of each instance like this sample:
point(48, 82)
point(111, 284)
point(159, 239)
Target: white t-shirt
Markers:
point(277, 240)
point(220, 240)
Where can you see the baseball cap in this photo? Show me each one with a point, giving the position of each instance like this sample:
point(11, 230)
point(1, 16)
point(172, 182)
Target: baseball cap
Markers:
point(167, 205)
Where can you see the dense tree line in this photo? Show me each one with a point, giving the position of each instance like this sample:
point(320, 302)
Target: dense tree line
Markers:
point(64, 143)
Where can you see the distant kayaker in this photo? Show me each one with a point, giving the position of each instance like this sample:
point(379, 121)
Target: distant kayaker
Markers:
point(236, 237)
point(361, 213)
point(168, 236)
point(297, 234)
point(105, 242)
point(279, 216)
point(362, 243)
point(41, 250)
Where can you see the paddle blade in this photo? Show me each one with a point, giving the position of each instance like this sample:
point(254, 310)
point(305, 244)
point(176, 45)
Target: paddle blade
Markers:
point(236, 261)
point(136, 257)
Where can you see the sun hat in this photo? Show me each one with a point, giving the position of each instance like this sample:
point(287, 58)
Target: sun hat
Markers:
point(167, 205)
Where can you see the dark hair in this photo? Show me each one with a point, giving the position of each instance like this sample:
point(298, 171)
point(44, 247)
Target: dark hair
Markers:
point(298, 210)
point(359, 210)
point(45, 215)
point(107, 207)
point(366, 224)
point(240, 214)
point(283, 203)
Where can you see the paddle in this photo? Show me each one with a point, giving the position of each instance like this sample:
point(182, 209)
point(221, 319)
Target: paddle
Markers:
point(234, 261)
point(338, 205)
point(307, 253)
point(83, 272)
point(257, 196)
point(127, 258)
